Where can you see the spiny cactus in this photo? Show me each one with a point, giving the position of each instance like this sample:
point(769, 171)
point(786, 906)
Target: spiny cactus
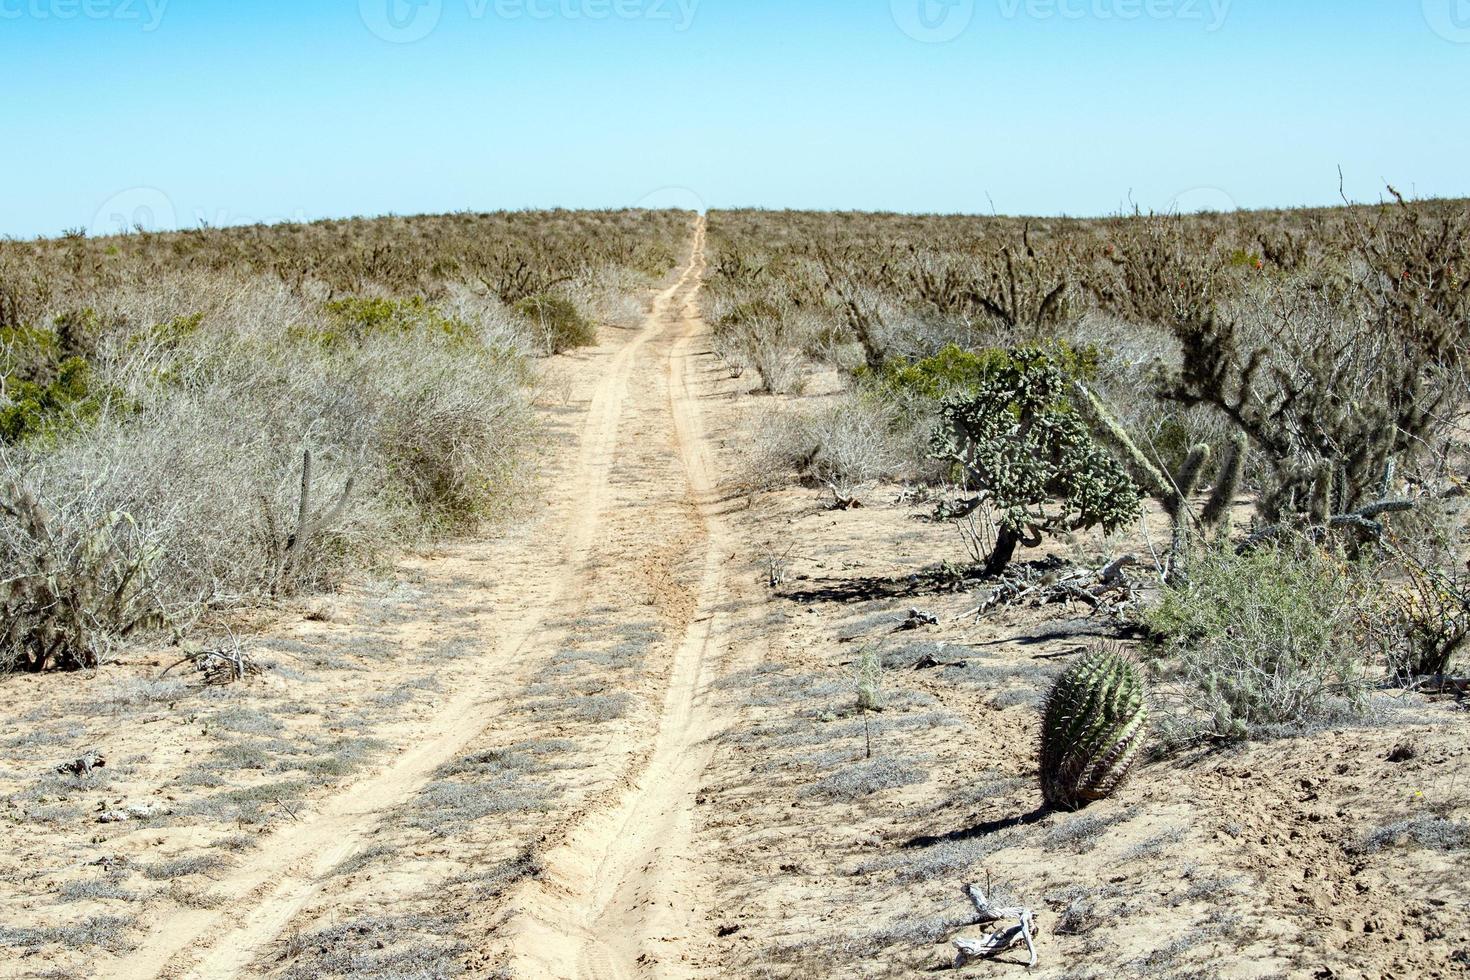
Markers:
point(1092, 729)
point(1026, 449)
point(1172, 492)
point(1320, 506)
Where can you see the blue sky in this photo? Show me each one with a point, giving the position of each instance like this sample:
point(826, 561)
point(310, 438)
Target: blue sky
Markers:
point(171, 112)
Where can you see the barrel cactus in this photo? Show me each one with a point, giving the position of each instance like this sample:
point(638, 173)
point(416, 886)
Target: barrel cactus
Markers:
point(1092, 729)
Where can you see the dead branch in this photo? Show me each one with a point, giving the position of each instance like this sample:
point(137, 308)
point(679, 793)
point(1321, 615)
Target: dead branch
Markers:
point(83, 764)
point(1001, 939)
point(224, 665)
point(1104, 589)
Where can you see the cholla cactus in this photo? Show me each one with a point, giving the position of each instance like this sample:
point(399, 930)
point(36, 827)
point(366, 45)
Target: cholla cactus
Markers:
point(1092, 729)
point(1026, 449)
point(1172, 491)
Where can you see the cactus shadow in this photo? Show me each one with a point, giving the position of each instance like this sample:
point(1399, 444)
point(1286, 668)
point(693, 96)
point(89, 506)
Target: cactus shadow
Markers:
point(984, 829)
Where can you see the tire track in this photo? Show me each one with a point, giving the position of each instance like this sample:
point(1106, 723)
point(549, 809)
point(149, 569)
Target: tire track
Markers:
point(621, 896)
point(260, 896)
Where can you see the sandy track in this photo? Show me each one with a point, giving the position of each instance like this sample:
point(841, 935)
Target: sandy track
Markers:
point(621, 895)
point(261, 895)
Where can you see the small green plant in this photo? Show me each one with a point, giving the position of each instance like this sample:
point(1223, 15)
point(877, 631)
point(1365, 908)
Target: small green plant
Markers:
point(559, 321)
point(1029, 453)
point(1265, 638)
point(1092, 729)
point(1241, 259)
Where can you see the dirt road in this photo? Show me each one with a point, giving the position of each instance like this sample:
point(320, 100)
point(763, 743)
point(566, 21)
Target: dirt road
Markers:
point(619, 890)
point(619, 895)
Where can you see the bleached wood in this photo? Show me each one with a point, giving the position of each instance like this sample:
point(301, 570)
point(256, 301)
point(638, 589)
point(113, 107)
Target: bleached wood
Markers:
point(1000, 940)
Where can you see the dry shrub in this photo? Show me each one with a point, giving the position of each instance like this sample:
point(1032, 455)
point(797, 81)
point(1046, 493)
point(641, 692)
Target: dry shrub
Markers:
point(217, 359)
point(201, 461)
point(557, 322)
point(1345, 371)
point(764, 339)
point(1266, 640)
point(844, 445)
point(78, 581)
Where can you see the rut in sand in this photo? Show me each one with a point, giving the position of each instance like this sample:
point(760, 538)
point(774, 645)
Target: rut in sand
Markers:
point(619, 892)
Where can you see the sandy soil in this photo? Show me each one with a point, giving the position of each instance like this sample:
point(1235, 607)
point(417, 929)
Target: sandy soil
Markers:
point(601, 744)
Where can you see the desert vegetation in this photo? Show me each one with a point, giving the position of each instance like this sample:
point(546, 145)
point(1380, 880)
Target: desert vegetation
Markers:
point(1232, 444)
point(193, 422)
point(1283, 389)
point(547, 593)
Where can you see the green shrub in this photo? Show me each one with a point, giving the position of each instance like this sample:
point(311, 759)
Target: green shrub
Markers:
point(1265, 639)
point(559, 321)
point(955, 369)
point(358, 318)
point(168, 335)
point(40, 411)
point(28, 353)
point(1026, 449)
point(48, 386)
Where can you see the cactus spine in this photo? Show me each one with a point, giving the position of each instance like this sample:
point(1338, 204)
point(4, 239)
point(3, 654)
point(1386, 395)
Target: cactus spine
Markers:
point(1172, 493)
point(1092, 729)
